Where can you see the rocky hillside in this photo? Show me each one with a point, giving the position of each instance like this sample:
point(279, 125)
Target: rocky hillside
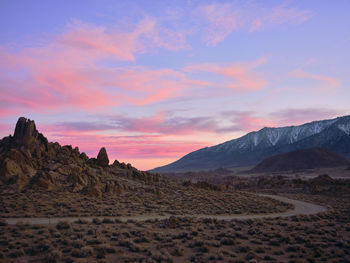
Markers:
point(28, 160)
point(300, 160)
point(254, 147)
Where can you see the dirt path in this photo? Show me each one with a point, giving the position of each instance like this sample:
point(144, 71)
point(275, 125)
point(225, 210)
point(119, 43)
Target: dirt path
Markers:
point(301, 208)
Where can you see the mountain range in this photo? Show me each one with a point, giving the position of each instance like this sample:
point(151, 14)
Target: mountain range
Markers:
point(252, 148)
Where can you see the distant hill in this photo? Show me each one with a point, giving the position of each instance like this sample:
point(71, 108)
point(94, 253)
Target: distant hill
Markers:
point(252, 148)
point(301, 159)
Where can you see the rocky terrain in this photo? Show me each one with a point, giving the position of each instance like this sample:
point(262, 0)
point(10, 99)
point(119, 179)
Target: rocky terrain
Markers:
point(41, 178)
point(300, 160)
point(29, 161)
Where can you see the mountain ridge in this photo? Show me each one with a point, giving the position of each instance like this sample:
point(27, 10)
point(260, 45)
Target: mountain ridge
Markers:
point(257, 145)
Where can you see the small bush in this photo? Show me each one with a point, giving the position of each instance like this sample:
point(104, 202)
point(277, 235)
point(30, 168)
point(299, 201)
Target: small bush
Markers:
point(54, 256)
point(96, 221)
point(107, 221)
point(82, 252)
point(3, 222)
point(63, 225)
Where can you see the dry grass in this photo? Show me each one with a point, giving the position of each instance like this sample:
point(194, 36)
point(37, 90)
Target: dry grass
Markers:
point(178, 200)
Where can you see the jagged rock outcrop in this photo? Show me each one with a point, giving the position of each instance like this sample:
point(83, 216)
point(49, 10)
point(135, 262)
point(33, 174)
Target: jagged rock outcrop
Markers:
point(27, 159)
point(102, 157)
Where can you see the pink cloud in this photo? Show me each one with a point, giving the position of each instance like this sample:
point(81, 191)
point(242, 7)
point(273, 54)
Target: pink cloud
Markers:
point(221, 19)
point(331, 82)
point(5, 129)
point(147, 34)
point(124, 148)
point(64, 72)
point(240, 75)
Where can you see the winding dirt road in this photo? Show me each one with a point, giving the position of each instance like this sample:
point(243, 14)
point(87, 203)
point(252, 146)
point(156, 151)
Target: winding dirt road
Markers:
point(300, 208)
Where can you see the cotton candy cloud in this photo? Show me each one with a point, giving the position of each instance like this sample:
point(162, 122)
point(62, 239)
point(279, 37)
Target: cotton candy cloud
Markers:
point(65, 70)
point(328, 82)
point(239, 76)
point(145, 151)
point(219, 20)
point(65, 74)
point(121, 45)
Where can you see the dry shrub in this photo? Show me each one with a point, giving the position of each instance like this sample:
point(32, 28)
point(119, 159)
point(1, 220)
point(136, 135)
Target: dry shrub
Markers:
point(3, 222)
point(17, 253)
point(96, 221)
point(63, 225)
point(81, 221)
point(107, 221)
point(82, 252)
point(54, 256)
point(78, 243)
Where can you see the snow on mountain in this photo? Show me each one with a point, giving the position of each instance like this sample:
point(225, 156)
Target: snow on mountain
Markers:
point(345, 128)
point(276, 136)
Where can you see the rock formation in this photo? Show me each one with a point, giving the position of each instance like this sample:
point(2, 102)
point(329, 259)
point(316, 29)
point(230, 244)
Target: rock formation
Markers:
point(27, 159)
point(102, 157)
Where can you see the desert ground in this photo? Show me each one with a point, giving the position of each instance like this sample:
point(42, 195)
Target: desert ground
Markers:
point(321, 237)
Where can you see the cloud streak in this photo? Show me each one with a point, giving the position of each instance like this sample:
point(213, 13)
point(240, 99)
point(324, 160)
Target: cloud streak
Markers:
point(239, 76)
point(330, 82)
point(222, 19)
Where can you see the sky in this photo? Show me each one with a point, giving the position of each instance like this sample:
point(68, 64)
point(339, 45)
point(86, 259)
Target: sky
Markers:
point(154, 80)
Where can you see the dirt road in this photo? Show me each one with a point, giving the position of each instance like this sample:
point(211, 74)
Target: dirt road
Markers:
point(301, 208)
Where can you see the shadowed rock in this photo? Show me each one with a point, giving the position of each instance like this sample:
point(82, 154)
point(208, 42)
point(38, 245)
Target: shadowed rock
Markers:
point(25, 130)
point(102, 157)
point(26, 133)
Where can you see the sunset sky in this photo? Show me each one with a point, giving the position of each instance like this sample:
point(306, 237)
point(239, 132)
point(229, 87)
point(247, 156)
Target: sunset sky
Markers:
point(154, 80)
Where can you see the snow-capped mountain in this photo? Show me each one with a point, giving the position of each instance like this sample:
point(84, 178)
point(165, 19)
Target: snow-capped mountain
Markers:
point(256, 146)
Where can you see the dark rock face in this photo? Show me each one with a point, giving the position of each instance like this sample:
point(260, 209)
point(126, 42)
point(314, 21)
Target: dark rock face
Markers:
point(26, 133)
point(27, 159)
point(102, 157)
point(300, 160)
